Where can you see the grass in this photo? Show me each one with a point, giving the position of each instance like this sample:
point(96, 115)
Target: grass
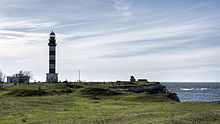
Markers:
point(89, 103)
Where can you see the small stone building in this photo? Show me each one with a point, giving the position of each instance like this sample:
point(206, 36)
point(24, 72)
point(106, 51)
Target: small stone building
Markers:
point(17, 78)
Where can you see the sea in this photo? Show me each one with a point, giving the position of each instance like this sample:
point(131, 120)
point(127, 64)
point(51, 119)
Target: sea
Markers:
point(195, 91)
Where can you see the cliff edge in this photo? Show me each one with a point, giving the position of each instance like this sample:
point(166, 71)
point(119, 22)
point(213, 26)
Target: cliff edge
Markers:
point(156, 88)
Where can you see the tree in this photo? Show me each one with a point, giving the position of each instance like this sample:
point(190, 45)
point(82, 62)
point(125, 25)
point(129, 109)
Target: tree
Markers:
point(22, 73)
point(2, 78)
point(132, 79)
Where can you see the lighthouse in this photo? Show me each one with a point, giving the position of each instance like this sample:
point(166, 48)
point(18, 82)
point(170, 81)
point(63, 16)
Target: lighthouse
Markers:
point(52, 76)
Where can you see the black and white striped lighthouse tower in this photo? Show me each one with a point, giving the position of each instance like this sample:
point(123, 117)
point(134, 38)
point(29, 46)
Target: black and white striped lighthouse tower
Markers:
point(52, 76)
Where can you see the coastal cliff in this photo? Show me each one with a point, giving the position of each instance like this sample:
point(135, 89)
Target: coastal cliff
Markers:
point(156, 88)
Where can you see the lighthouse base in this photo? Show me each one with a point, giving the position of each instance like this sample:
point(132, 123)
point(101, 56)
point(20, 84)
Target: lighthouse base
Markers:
point(52, 78)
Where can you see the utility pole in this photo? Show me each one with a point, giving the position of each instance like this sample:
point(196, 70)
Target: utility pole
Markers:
point(79, 76)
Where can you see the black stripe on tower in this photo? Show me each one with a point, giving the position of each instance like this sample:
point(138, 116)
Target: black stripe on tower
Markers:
point(52, 70)
point(52, 52)
point(52, 61)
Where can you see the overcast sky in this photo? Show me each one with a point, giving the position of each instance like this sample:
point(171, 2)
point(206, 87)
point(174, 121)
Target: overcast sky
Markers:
point(162, 40)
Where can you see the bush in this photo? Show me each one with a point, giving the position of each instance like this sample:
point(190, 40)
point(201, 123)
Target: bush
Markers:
point(30, 92)
point(99, 91)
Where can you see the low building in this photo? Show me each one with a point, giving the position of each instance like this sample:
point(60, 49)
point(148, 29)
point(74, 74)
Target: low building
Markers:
point(17, 78)
point(144, 80)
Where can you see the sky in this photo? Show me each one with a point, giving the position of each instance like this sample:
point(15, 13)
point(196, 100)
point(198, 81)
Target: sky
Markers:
point(109, 40)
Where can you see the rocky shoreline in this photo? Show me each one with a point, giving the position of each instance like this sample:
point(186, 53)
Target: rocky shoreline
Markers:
point(156, 88)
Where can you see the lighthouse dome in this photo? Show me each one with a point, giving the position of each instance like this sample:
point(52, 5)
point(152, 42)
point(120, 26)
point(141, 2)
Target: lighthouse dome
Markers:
point(52, 34)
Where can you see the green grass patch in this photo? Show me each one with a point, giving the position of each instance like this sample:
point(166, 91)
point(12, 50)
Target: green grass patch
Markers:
point(31, 92)
point(109, 107)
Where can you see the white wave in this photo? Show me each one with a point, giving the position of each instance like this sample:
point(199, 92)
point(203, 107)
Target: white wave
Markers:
point(186, 88)
point(193, 89)
point(202, 89)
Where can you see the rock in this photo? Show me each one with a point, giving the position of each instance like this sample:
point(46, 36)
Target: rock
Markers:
point(152, 89)
point(173, 96)
point(156, 88)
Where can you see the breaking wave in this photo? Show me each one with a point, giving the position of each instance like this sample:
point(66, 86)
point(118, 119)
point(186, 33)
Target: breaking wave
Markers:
point(187, 89)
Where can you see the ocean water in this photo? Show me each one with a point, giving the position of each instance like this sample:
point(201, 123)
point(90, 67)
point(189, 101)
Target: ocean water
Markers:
point(204, 91)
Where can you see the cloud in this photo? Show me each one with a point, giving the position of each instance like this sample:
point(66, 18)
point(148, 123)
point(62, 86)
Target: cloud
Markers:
point(123, 6)
point(25, 23)
point(58, 26)
point(160, 40)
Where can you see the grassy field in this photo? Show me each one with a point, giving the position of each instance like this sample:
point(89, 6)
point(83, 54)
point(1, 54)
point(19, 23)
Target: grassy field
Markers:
point(86, 103)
